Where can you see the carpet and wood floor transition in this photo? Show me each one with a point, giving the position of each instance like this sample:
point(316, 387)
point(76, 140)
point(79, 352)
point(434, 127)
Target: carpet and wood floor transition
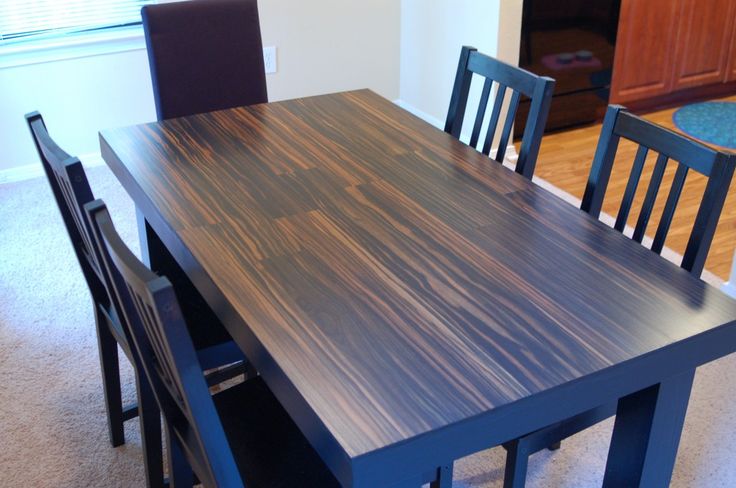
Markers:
point(52, 418)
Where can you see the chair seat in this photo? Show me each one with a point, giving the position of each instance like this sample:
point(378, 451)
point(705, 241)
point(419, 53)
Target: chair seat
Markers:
point(268, 447)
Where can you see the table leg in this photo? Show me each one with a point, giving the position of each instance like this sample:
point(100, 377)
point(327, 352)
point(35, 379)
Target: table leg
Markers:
point(440, 477)
point(153, 251)
point(646, 434)
point(149, 417)
point(517, 460)
point(443, 478)
point(207, 331)
point(158, 258)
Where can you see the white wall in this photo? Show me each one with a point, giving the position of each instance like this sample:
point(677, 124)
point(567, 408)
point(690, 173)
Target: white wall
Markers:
point(509, 30)
point(405, 49)
point(323, 46)
point(326, 46)
point(432, 34)
point(77, 97)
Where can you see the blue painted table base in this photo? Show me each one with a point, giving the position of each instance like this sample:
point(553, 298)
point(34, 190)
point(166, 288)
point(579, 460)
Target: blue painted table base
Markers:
point(646, 434)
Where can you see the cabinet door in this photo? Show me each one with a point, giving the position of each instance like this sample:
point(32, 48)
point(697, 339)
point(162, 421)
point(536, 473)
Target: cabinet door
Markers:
point(642, 65)
point(731, 69)
point(703, 42)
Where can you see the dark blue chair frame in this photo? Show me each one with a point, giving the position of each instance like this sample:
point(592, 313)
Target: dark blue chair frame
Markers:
point(155, 324)
point(717, 166)
point(72, 191)
point(506, 77)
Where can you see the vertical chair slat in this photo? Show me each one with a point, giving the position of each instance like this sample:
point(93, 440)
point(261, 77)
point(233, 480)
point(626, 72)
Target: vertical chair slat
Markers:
point(495, 114)
point(480, 115)
point(650, 198)
point(600, 172)
point(506, 134)
point(669, 209)
point(709, 212)
point(459, 99)
point(536, 121)
point(631, 186)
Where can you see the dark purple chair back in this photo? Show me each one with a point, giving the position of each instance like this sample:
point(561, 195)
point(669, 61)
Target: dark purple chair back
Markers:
point(204, 55)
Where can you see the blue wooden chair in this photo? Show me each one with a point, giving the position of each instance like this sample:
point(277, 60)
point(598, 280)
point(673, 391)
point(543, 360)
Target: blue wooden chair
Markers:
point(688, 155)
point(72, 191)
point(241, 434)
point(204, 55)
point(507, 78)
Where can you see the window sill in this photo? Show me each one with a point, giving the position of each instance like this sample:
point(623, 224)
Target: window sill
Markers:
point(73, 47)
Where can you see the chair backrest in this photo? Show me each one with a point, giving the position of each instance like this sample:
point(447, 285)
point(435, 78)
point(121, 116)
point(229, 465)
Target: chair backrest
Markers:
point(688, 154)
point(506, 78)
point(204, 55)
point(71, 191)
point(155, 325)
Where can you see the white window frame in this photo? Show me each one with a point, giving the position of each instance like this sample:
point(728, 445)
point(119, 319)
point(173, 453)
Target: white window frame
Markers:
point(84, 44)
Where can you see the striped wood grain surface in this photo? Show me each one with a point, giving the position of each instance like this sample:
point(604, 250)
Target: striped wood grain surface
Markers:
point(398, 280)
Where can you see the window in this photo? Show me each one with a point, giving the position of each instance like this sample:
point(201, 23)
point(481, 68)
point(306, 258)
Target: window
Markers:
point(25, 20)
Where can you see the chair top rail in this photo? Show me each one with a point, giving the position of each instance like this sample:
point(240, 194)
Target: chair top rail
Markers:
point(517, 78)
point(675, 146)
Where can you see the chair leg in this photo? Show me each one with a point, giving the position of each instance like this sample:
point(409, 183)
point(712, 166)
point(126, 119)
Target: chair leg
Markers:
point(517, 459)
point(444, 477)
point(110, 368)
point(180, 472)
point(150, 421)
point(250, 370)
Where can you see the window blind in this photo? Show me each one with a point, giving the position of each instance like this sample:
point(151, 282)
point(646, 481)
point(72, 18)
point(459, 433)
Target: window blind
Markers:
point(23, 20)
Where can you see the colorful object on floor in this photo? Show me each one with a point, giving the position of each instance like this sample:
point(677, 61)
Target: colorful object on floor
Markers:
point(711, 122)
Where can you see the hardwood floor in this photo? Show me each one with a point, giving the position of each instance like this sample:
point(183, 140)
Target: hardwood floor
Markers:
point(565, 159)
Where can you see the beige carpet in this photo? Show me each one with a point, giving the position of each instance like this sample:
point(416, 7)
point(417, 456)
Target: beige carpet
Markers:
point(52, 418)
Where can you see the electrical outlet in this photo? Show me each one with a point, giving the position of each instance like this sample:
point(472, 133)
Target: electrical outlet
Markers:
point(269, 59)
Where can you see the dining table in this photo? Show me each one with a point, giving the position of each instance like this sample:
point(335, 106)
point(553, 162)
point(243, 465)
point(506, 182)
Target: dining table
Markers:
point(410, 301)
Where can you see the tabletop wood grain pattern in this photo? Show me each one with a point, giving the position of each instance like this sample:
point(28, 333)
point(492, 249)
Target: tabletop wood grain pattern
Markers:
point(401, 280)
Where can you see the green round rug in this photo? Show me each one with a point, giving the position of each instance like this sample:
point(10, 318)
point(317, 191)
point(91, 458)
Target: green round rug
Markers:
point(712, 122)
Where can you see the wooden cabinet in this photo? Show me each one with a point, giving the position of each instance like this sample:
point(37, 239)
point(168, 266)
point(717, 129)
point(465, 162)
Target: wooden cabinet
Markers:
point(642, 65)
point(703, 42)
point(664, 47)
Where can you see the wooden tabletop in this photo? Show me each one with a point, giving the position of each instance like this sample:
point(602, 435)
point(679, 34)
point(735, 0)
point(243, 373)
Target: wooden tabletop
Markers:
point(392, 284)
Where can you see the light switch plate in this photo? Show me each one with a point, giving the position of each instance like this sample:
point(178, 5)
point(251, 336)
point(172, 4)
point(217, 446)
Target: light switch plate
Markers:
point(269, 59)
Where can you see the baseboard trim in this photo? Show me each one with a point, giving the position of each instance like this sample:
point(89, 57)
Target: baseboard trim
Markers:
point(20, 173)
point(680, 97)
point(510, 150)
point(421, 114)
point(35, 170)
